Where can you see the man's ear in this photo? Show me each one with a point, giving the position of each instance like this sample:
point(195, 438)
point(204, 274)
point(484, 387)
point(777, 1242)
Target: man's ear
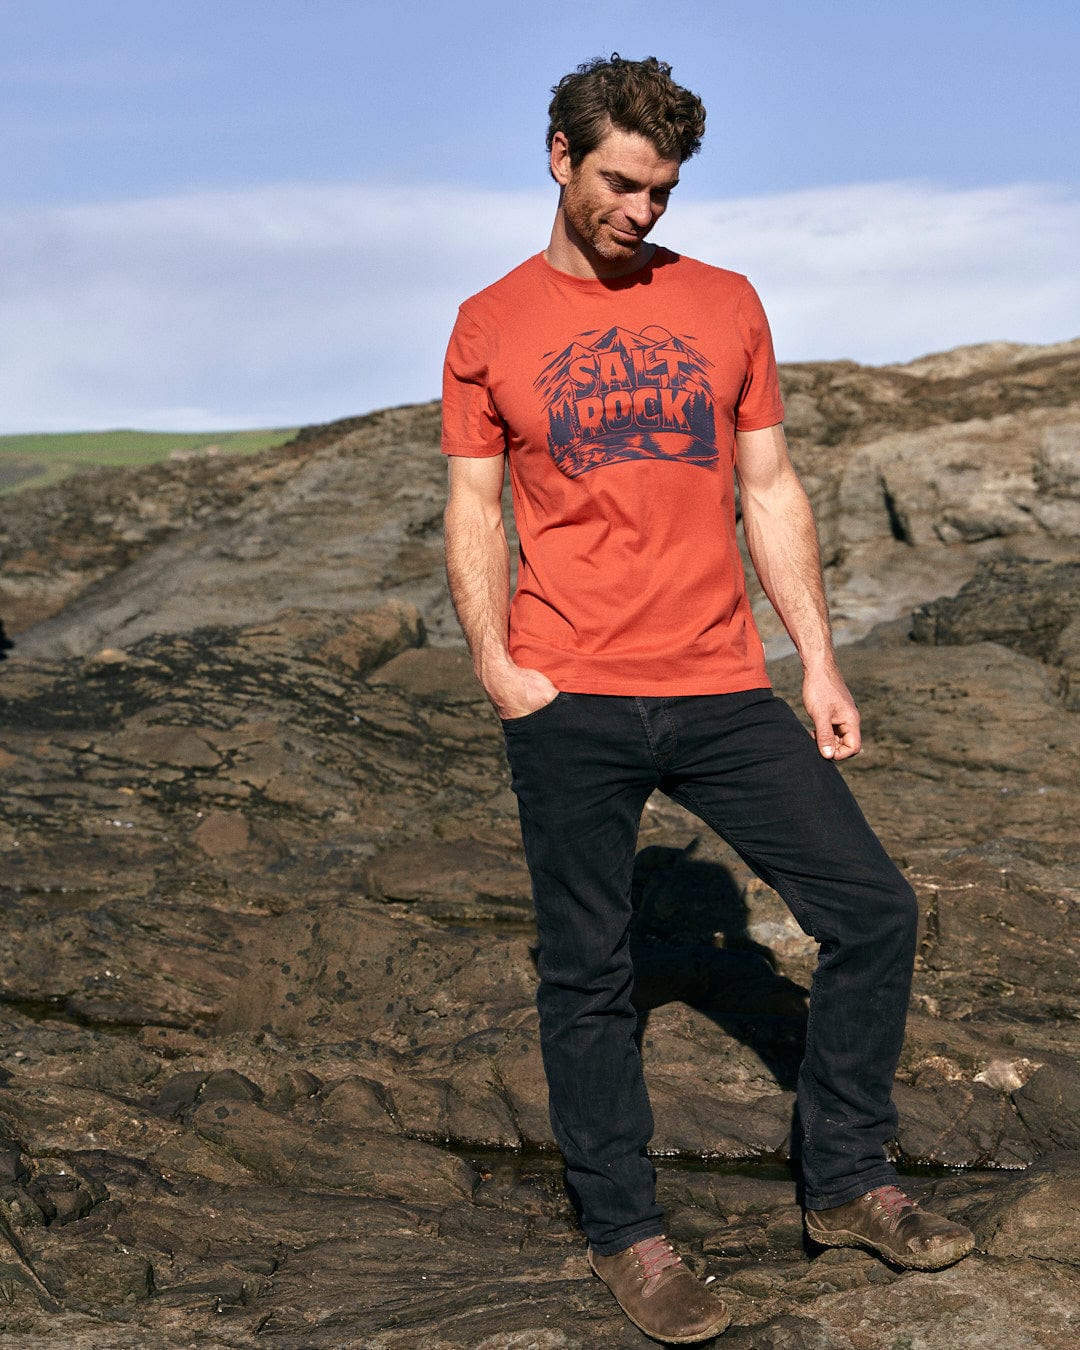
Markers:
point(560, 159)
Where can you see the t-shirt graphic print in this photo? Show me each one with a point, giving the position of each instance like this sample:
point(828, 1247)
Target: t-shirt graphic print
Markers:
point(620, 395)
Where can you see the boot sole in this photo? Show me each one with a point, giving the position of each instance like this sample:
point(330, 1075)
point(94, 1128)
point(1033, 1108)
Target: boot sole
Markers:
point(938, 1260)
point(695, 1339)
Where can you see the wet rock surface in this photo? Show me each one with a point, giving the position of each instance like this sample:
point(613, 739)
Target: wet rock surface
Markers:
point(269, 1071)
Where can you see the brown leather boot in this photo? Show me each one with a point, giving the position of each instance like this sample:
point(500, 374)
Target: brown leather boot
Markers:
point(660, 1294)
point(889, 1223)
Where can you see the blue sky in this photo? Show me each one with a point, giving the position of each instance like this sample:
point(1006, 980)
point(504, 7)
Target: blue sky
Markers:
point(251, 213)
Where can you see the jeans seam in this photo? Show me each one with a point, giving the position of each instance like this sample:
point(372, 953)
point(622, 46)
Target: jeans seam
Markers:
point(811, 1116)
point(666, 710)
point(660, 761)
point(648, 733)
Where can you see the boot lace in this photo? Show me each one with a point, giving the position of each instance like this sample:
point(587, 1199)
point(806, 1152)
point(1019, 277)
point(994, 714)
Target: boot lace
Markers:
point(893, 1203)
point(655, 1255)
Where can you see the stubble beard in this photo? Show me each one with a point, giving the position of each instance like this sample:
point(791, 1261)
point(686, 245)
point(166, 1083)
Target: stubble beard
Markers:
point(597, 233)
point(617, 249)
point(606, 244)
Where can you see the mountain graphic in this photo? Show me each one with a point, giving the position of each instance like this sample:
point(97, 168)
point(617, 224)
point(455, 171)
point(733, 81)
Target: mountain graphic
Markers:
point(618, 395)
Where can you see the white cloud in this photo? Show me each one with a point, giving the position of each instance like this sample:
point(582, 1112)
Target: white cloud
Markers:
point(290, 304)
point(888, 271)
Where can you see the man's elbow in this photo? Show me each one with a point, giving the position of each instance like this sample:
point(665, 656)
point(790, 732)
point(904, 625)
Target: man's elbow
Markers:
point(771, 491)
point(464, 511)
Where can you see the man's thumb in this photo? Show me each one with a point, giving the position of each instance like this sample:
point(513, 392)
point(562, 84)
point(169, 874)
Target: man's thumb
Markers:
point(826, 739)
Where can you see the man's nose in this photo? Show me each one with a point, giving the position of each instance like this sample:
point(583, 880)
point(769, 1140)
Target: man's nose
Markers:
point(639, 209)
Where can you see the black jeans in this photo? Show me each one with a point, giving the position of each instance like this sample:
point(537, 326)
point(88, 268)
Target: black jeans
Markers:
point(583, 768)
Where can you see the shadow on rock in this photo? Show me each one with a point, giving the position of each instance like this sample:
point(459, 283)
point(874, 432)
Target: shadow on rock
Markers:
point(693, 942)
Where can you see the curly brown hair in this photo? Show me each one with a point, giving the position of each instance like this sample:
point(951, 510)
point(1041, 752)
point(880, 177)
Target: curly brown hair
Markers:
point(638, 96)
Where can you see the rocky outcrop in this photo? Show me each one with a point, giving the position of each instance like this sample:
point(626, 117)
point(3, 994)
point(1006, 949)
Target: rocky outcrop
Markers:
point(269, 1068)
point(1032, 607)
point(917, 473)
point(116, 556)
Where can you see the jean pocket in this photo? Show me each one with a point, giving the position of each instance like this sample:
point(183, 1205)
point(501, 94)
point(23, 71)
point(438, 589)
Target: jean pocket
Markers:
point(508, 723)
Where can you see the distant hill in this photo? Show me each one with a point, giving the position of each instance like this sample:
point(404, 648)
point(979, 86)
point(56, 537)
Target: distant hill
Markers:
point(43, 458)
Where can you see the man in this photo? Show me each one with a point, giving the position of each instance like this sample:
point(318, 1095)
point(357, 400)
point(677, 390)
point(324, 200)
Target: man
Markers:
point(623, 384)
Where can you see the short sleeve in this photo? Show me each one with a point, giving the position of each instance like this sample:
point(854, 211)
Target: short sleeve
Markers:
point(760, 404)
point(471, 425)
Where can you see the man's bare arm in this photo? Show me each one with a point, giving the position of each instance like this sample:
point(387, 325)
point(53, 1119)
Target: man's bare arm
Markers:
point(783, 543)
point(478, 572)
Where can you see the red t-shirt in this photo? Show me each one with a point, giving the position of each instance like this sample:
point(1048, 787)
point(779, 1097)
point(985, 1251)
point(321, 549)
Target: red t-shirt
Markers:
point(617, 404)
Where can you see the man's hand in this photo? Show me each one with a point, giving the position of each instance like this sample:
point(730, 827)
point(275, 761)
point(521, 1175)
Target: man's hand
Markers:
point(516, 691)
point(836, 718)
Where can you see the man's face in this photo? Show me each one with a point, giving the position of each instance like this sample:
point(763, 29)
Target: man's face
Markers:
point(614, 197)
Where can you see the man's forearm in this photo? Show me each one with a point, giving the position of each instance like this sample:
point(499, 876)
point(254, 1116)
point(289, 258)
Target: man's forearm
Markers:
point(478, 573)
point(783, 543)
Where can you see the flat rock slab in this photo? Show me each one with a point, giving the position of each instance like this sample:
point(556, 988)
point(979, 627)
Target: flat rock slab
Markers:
point(1038, 1216)
point(455, 879)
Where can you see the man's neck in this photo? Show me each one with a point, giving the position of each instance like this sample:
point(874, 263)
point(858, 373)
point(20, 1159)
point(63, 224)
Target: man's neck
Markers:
point(568, 252)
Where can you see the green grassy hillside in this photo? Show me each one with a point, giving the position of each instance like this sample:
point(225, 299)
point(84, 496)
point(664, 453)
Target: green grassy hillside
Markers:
point(41, 459)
